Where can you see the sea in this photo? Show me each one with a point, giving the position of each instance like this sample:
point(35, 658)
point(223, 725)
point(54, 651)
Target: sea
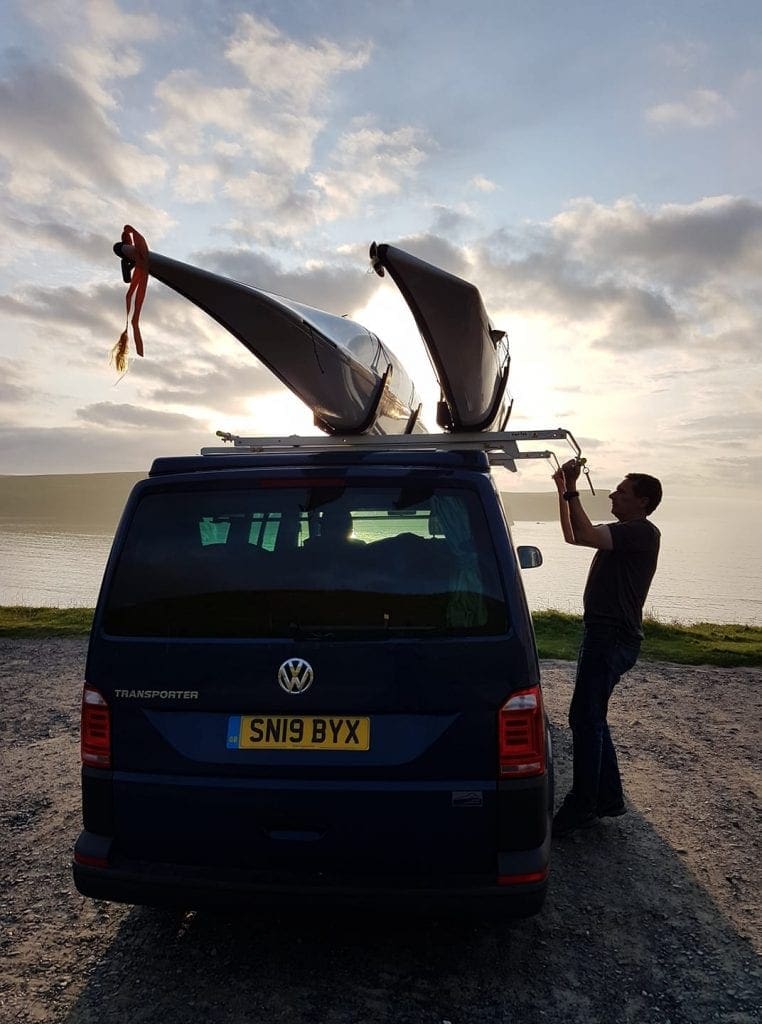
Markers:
point(710, 566)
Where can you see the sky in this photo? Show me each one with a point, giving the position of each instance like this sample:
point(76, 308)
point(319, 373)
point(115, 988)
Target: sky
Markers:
point(595, 169)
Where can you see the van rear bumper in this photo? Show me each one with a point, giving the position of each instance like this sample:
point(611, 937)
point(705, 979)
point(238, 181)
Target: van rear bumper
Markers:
point(190, 887)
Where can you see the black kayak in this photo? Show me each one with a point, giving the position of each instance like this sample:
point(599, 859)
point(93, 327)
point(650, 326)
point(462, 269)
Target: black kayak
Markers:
point(341, 370)
point(470, 358)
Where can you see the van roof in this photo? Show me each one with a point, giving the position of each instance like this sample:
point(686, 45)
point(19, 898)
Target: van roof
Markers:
point(475, 460)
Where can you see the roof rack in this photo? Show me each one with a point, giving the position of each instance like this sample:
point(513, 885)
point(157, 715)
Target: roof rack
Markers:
point(501, 447)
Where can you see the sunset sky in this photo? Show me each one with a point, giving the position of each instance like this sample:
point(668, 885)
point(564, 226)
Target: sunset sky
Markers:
point(594, 168)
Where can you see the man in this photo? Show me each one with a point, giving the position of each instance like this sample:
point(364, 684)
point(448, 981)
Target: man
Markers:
point(616, 590)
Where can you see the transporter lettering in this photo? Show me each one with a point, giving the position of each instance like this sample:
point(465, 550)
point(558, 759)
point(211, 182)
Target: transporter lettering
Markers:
point(158, 694)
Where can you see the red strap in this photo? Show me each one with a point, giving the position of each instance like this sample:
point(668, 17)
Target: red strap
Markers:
point(136, 293)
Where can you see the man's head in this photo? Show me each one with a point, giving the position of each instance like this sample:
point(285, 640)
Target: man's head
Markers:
point(635, 497)
point(336, 525)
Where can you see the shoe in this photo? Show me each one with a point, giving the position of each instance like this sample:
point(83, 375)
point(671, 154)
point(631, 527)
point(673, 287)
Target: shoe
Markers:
point(569, 818)
point(612, 810)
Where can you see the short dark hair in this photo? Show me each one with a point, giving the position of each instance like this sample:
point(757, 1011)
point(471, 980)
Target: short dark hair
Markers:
point(645, 486)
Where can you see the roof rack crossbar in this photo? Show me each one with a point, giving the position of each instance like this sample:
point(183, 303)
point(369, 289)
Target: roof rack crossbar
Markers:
point(501, 447)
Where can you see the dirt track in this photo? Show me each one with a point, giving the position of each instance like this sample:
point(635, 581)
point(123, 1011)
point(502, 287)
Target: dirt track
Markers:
point(652, 917)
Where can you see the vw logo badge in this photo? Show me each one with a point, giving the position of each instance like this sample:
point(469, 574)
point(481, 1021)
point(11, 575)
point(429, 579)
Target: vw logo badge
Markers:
point(295, 675)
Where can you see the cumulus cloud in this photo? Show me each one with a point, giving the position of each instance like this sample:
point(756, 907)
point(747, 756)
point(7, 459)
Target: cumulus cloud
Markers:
point(701, 108)
point(640, 278)
point(199, 118)
point(370, 162)
point(250, 138)
point(685, 242)
point(284, 70)
point(271, 121)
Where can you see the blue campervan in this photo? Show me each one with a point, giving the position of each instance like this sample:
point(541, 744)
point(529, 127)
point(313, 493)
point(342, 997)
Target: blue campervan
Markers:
point(312, 674)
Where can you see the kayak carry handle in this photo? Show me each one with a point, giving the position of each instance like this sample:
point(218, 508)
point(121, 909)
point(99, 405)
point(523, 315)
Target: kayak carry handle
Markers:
point(127, 263)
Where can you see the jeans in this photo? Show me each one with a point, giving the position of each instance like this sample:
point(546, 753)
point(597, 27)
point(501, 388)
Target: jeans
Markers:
point(604, 657)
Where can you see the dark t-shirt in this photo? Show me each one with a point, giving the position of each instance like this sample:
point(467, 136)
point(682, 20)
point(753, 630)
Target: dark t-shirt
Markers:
point(618, 581)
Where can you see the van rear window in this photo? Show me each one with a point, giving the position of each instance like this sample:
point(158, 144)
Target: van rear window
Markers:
point(323, 560)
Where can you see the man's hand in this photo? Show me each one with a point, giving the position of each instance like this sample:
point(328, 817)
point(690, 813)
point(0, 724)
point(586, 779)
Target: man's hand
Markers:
point(560, 480)
point(571, 471)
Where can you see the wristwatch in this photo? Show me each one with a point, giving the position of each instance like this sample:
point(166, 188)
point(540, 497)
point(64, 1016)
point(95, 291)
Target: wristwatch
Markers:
point(568, 495)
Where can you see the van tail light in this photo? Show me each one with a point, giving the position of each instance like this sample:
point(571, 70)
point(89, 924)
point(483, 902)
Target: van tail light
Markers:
point(95, 730)
point(521, 735)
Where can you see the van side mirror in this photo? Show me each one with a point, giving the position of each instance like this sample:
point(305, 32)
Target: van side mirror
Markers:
point(530, 557)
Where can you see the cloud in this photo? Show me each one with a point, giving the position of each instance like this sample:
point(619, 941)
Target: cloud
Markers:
point(681, 242)
point(366, 164)
point(285, 71)
point(196, 183)
point(731, 426)
point(482, 184)
point(68, 175)
point(114, 416)
point(60, 449)
point(370, 162)
point(451, 221)
point(91, 246)
point(227, 387)
point(75, 309)
point(679, 276)
point(51, 122)
point(252, 144)
point(682, 55)
point(96, 40)
point(13, 387)
point(265, 128)
point(338, 288)
point(199, 119)
point(702, 108)
point(441, 252)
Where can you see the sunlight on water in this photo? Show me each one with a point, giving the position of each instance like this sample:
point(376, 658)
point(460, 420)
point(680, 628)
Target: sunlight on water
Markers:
point(696, 580)
point(51, 569)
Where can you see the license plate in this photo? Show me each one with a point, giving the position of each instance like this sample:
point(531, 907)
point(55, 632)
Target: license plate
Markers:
point(298, 732)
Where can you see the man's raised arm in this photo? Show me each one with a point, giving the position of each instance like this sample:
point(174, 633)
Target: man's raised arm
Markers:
point(582, 531)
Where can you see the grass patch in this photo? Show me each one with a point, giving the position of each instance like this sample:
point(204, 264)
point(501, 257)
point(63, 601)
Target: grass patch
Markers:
point(558, 635)
point(19, 621)
point(702, 643)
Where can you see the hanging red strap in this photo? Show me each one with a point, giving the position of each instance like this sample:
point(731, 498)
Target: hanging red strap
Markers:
point(136, 293)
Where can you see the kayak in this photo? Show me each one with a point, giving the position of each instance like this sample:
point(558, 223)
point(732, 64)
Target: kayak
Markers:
point(469, 356)
point(352, 382)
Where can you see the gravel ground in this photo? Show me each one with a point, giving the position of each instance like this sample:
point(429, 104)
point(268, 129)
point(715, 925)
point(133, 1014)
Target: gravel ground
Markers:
point(654, 917)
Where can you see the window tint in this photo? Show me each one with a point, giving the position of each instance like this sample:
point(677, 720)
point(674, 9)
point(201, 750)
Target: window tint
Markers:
point(274, 561)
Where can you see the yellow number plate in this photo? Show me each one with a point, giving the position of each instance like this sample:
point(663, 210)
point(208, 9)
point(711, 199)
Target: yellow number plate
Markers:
point(298, 732)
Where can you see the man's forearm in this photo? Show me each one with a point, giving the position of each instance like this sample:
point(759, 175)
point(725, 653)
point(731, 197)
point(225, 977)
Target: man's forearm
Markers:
point(582, 529)
point(565, 519)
